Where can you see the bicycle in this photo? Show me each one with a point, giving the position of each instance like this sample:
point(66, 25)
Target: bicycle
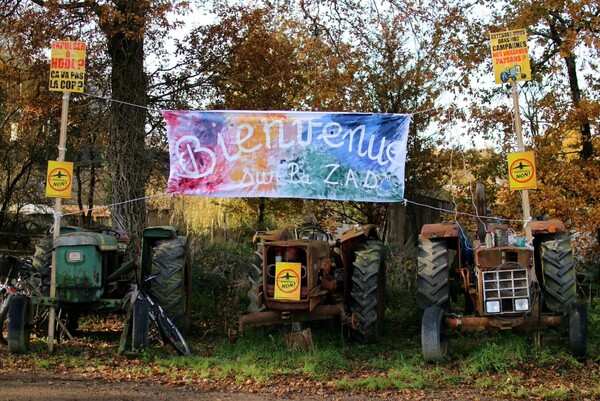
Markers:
point(14, 297)
point(141, 308)
point(6, 293)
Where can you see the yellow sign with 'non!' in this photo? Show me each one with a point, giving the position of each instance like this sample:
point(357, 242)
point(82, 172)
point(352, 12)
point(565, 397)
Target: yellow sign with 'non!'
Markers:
point(287, 280)
point(59, 179)
point(521, 170)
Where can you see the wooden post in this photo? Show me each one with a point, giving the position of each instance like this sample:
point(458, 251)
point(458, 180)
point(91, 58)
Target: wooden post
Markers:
point(521, 148)
point(62, 141)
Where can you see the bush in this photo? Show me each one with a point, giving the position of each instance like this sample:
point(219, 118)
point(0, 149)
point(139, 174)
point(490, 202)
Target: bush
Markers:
point(218, 280)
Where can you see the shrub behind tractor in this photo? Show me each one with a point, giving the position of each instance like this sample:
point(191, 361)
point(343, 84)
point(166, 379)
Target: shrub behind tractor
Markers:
point(317, 277)
point(497, 284)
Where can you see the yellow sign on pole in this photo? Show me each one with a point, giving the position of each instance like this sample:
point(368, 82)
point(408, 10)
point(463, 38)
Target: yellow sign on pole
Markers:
point(521, 170)
point(67, 66)
point(59, 179)
point(511, 56)
point(287, 280)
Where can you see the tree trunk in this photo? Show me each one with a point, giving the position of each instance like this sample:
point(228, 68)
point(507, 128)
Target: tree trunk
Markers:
point(396, 224)
point(127, 151)
point(261, 213)
point(587, 149)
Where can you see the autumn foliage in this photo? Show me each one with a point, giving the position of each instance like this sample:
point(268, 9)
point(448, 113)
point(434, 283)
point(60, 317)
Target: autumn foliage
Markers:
point(430, 61)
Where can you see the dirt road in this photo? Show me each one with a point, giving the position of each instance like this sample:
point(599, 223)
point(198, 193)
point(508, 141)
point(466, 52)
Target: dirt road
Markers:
point(43, 386)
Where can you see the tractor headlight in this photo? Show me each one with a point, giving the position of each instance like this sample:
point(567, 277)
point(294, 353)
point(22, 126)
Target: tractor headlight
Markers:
point(74, 256)
point(521, 304)
point(492, 306)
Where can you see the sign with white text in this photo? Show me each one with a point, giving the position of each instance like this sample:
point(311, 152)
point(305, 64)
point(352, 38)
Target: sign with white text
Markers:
point(313, 155)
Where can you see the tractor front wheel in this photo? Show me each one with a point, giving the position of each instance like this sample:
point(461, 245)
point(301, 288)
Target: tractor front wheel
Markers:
point(171, 288)
point(578, 330)
point(368, 289)
point(18, 325)
point(433, 340)
point(255, 280)
point(140, 324)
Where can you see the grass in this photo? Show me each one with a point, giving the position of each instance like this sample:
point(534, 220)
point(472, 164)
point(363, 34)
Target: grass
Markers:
point(490, 362)
point(498, 363)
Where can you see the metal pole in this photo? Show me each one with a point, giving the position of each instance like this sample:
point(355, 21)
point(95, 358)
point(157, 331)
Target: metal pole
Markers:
point(521, 148)
point(62, 141)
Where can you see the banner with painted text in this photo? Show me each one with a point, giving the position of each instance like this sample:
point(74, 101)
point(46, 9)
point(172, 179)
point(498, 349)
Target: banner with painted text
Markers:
point(313, 155)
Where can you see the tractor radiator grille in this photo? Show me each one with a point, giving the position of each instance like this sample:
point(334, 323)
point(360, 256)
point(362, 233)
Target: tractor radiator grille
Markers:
point(508, 287)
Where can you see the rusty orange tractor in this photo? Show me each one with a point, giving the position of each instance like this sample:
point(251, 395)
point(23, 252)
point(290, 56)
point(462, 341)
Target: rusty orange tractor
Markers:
point(315, 276)
point(497, 284)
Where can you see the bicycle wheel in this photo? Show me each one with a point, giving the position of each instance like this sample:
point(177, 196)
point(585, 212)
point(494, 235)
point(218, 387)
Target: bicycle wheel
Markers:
point(170, 333)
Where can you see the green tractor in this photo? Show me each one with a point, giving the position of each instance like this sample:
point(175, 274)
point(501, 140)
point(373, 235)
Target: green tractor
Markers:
point(93, 275)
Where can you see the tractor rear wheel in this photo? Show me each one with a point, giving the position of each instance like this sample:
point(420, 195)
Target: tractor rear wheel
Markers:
point(560, 285)
point(433, 340)
point(18, 326)
point(255, 280)
point(368, 289)
point(578, 330)
point(171, 288)
point(434, 274)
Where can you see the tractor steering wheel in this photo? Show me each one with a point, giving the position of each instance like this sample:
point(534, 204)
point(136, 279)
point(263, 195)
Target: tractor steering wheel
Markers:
point(110, 231)
point(313, 233)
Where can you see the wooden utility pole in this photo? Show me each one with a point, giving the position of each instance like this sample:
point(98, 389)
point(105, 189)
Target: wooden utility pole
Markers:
point(521, 148)
point(62, 143)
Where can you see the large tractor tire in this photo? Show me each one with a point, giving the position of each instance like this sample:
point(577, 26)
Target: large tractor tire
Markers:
point(19, 329)
point(255, 281)
point(558, 266)
point(171, 288)
point(434, 274)
point(368, 289)
point(433, 340)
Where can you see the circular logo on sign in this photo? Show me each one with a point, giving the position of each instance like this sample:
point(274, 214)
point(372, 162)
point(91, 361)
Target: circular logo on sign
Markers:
point(287, 280)
point(521, 170)
point(59, 179)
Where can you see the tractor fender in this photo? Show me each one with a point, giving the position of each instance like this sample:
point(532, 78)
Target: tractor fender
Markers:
point(78, 238)
point(367, 231)
point(440, 230)
point(270, 236)
point(160, 232)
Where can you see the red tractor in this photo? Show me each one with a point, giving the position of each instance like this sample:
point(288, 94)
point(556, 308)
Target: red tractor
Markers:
point(495, 284)
point(315, 276)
